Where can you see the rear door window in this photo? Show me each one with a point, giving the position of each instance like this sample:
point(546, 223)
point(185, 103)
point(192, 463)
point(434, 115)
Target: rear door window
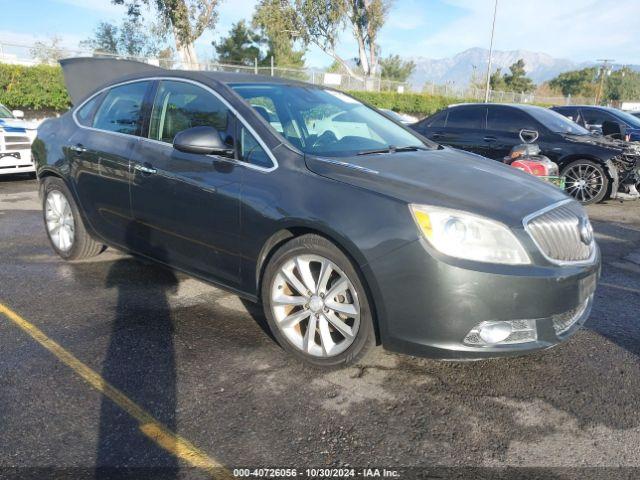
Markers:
point(121, 109)
point(466, 117)
point(512, 120)
point(84, 115)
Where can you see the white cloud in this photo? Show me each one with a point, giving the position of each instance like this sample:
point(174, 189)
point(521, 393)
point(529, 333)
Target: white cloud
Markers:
point(20, 42)
point(575, 29)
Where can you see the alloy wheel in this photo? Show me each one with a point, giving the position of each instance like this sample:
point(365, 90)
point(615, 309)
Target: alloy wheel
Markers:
point(584, 182)
point(315, 305)
point(59, 220)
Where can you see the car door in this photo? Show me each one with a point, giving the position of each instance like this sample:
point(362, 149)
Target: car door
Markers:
point(185, 205)
point(464, 128)
point(504, 124)
point(99, 153)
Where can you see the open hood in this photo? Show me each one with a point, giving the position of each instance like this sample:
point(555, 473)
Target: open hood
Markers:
point(85, 75)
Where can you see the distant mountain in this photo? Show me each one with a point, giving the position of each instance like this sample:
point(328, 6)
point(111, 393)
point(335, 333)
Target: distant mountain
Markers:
point(459, 69)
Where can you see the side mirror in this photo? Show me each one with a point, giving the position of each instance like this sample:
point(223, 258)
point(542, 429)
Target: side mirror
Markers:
point(201, 140)
point(528, 136)
point(18, 114)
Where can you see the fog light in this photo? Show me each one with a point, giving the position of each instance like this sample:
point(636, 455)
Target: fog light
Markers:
point(495, 332)
point(506, 332)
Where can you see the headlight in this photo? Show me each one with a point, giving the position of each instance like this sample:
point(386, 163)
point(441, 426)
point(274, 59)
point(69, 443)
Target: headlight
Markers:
point(471, 237)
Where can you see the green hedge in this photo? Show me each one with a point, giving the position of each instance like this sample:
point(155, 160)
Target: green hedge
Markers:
point(420, 104)
point(33, 88)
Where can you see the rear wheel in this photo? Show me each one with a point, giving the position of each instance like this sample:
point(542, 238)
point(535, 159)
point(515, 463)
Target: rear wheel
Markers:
point(315, 303)
point(586, 181)
point(63, 223)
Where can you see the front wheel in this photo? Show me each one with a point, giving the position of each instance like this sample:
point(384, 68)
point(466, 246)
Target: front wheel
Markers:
point(315, 303)
point(586, 181)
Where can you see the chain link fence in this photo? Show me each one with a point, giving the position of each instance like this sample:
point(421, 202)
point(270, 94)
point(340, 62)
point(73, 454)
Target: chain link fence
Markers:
point(21, 54)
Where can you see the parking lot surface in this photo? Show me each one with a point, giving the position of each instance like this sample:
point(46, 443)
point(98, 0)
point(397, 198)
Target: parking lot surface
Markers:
point(198, 362)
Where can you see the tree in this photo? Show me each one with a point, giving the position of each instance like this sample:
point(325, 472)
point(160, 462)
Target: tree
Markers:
point(622, 84)
point(276, 20)
point(128, 40)
point(576, 82)
point(514, 81)
point(186, 19)
point(48, 52)
point(367, 18)
point(396, 69)
point(241, 46)
point(104, 40)
point(321, 21)
point(496, 80)
point(517, 80)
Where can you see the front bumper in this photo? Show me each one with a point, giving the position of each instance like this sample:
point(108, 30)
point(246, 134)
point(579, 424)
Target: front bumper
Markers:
point(426, 306)
point(15, 161)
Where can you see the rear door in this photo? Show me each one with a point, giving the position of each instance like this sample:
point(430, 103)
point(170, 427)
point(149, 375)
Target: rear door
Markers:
point(187, 206)
point(464, 128)
point(99, 152)
point(504, 124)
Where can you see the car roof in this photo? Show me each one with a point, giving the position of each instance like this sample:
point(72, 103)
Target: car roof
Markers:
point(518, 106)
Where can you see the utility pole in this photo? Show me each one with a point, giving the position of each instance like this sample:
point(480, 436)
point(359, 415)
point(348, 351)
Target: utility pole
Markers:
point(493, 29)
point(603, 71)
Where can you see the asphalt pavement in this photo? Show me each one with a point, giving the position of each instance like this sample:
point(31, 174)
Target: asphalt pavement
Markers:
point(116, 366)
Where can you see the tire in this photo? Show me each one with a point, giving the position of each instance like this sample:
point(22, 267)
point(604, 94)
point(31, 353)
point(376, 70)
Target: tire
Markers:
point(596, 182)
point(340, 338)
point(75, 244)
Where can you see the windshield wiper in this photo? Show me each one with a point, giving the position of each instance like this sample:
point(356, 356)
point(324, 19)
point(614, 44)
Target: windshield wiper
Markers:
point(392, 149)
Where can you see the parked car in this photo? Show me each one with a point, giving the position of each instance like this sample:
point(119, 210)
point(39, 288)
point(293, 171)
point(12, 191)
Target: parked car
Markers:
point(15, 144)
point(400, 117)
point(593, 118)
point(595, 167)
point(347, 240)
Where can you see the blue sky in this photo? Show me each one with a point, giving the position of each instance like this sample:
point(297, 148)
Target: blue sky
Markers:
point(580, 30)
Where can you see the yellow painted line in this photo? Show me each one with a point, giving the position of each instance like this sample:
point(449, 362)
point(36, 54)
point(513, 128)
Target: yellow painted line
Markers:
point(153, 429)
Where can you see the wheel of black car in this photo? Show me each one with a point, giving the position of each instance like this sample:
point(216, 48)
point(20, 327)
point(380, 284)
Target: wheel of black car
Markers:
point(63, 223)
point(315, 303)
point(586, 181)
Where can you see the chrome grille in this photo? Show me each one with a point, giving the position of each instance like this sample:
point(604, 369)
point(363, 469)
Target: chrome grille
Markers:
point(557, 233)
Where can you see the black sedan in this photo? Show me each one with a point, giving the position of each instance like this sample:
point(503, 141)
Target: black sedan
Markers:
point(595, 167)
point(349, 228)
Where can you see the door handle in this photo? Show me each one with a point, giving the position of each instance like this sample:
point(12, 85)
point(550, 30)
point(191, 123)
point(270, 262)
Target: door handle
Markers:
point(77, 148)
point(144, 169)
point(489, 138)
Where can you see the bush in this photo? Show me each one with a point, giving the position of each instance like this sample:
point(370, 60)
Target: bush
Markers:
point(33, 88)
point(420, 104)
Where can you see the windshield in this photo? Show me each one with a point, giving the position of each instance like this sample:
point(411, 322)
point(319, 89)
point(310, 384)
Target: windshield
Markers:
point(5, 112)
point(326, 122)
point(627, 118)
point(556, 122)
